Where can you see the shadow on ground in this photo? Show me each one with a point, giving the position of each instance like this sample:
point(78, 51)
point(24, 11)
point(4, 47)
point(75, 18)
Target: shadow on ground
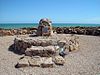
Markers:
point(12, 49)
point(33, 36)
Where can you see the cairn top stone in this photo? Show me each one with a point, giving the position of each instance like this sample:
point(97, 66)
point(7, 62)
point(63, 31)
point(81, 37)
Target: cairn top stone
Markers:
point(41, 22)
point(45, 27)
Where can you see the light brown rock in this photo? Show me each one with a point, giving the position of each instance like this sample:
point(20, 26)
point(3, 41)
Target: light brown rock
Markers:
point(58, 60)
point(35, 61)
point(62, 43)
point(40, 51)
point(73, 47)
point(22, 63)
point(47, 62)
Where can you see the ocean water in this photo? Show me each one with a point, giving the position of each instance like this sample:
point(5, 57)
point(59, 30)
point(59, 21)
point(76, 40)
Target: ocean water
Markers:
point(26, 25)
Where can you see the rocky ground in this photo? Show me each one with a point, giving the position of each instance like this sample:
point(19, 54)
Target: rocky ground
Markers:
point(85, 61)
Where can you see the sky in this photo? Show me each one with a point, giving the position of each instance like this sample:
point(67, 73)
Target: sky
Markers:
point(58, 11)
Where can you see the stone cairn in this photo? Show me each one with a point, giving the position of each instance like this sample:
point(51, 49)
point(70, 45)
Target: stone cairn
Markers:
point(44, 28)
point(42, 51)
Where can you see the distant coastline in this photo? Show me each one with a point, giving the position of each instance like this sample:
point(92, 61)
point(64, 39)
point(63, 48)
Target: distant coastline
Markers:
point(29, 25)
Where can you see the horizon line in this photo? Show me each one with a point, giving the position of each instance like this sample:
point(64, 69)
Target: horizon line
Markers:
point(52, 23)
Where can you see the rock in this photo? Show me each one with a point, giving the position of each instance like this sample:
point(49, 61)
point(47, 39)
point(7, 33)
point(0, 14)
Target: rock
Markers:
point(58, 60)
point(73, 47)
point(22, 63)
point(47, 62)
point(96, 32)
point(89, 31)
point(62, 43)
point(45, 42)
point(59, 30)
point(76, 46)
point(22, 44)
point(44, 28)
point(66, 30)
point(49, 51)
point(39, 42)
point(34, 50)
point(35, 61)
point(40, 51)
point(80, 31)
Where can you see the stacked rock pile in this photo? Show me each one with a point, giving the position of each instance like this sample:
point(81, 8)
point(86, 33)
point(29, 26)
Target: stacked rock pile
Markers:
point(43, 52)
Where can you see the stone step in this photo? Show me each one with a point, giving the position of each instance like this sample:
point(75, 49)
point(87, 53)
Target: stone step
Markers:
point(22, 44)
point(35, 61)
point(47, 62)
point(41, 51)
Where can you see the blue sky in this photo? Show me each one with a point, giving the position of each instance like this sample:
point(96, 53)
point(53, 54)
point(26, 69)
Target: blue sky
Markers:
point(59, 11)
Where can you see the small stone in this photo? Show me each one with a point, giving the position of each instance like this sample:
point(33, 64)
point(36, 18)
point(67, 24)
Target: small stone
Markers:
point(76, 46)
point(62, 43)
point(71, 48)
point(58, 60)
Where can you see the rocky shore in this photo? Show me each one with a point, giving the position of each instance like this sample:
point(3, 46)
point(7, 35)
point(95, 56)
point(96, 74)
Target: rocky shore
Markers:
point(22, 31)
point(95, 31)
point(79, 30)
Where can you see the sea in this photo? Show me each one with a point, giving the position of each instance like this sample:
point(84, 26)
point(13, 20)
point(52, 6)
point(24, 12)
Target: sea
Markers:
point(29, 25)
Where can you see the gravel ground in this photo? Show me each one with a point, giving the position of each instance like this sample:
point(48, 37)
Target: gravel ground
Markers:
point(85, 61)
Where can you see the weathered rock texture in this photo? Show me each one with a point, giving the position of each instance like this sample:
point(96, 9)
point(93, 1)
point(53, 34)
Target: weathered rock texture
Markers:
point(23, 31)
point(35, 61)
point(22, 63)
point(44, 45)
point(79, 30)
point(47, 62)
point(22, 44)
point(43, 51)
point(59, 60)
point(44, 28)
point(95, 31)
point(40, 51)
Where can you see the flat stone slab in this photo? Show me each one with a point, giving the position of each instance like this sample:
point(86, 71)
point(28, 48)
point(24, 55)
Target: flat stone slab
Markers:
point(40, 51)
point(39, 41)
point(47, 62)
point(35, 61)
point(22, 63)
